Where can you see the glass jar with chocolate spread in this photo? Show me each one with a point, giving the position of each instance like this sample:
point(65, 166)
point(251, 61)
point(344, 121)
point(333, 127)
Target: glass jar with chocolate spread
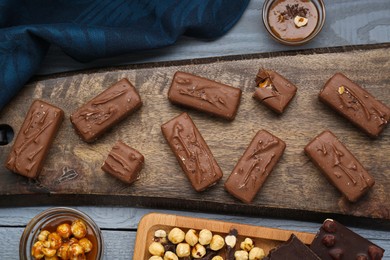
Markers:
point(293, 22)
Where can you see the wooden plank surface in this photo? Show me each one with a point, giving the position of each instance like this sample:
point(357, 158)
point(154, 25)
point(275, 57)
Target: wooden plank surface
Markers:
point(295, 189)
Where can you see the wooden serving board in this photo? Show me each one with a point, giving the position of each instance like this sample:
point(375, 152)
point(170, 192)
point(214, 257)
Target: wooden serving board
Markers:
point(295, 189)
point(263, 237)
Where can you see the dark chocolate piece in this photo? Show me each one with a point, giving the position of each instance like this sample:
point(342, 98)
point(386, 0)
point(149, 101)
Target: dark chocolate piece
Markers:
point(335, 241)
point(355, 104)
point(34, 139)
point(292, 249)
point(273, 90)
point(123, 162)
point(105, 110)
point(254, 166)
point(192, 152)
point(339, 166)
point(204, 95)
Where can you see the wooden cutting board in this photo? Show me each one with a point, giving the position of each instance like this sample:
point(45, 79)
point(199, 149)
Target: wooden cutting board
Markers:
point(263, 237)
point(295, 189)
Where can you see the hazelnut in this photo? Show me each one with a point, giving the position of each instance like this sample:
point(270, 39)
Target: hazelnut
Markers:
point(63, 251)
point(43, 235)
point(256, 253)
point(198, 251)
point(156, 249)
point(216, 242)
point(217, 257)
point(48, 252)
point(336, 253)
point(300, 21)
point(241, 255)
point(231, 240)
point(328, 240)
point(36, 250)
point(176, 235)
point(247, 244)
point(75, 250)
point(183, 250)
point(160, 236)
point(329, 226)
point(375, 252)
point(79, 228)
point(169, 255)
point(205, 237)
point(86, 244)
point(64, 230)
point(55, 240)
point(191, 237)
point(156, 258)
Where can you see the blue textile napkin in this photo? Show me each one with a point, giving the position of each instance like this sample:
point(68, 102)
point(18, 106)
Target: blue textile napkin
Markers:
point(91, 29)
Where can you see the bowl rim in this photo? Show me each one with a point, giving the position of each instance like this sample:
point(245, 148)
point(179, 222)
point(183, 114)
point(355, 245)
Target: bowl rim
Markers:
point(29, 233)
point(320, 5)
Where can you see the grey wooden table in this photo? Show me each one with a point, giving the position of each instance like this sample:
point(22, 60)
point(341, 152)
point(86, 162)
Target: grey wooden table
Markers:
point(349, 22)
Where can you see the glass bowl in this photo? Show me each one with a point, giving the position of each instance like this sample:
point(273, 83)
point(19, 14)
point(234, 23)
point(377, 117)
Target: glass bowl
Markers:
point(49, 220)
point(269, 4)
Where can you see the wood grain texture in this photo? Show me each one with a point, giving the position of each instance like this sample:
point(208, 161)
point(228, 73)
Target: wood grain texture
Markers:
point(295, 189)
point(263, 237)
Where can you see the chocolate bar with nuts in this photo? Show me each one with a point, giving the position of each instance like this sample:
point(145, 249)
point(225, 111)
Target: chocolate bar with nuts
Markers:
point(192, 152)
point(105, 110)
point(204, 95)
point(339, 166)
point(355, 104)
point(34, 139)
point(335, 241)
point(273, 90)
point(123, 162)
point(292, 249)
point(254, 166)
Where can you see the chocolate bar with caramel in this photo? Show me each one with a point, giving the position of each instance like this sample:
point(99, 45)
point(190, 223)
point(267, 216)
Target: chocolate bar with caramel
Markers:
point(355, 104)
point(204, 95)
point(34, 139)
point(253, 168)
point(105, 110)
point(192, 152)
point(339, 166)
point(123, 162)
point(273, 90)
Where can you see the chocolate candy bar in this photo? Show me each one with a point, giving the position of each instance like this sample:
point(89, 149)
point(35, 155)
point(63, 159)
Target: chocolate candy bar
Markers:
point(254, 166)
point(204, 95)
point(292, 249)
point(335, 241)
point(123, 162)
point(192, 152)
point(355, 104)
point(108, 108)
point(34, 139)
point(273, 90)
point(339, 166)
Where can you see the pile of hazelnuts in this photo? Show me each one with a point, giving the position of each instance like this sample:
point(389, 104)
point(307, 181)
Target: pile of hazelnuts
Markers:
point(177, 244)
point(67, 242)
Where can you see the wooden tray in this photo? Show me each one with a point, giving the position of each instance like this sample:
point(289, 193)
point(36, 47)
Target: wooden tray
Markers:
point(295, 189)
point(263, 237)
